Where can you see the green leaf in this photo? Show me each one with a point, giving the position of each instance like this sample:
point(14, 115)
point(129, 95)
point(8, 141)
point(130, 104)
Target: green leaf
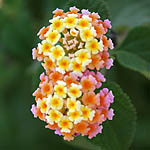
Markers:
point(134, 52)
point(98, 6)
point(129, 12)
point(118, 133)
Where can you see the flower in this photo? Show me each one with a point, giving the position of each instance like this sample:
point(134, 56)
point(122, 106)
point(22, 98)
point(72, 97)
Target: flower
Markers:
point(60, 89)
point(83, 56)
point(87, 34)
point(65, 124)
point(55, 102)
point(74, 49)
point(46, 88)
point(71, 21)
point(87, 113)
point(52, 36)
point(94, 46)
point(94, 130)
point(90, 99)
point(42, 105)
point(57, 24)
point(75, 116)
point(44, 48)
point(42, 32)
point(48, 63)
point(84, 22)
point(88, 83)
point(75, 91)
point(63, 64)
point(57, 52)
point(55, 76)
point(76, 67)
point(53, 116)
point(73, 105)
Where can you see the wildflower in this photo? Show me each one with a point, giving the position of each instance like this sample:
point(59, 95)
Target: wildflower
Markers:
point(55, 76)
point(48, 63)
point(47, 88)
point(87, 34)
point(87, 113)
point(63, 64)
point(53, 116)
point(38, 94)
point(36, 55)
point(96, 62)
point(57, 52)
point(73, 50)
point(75, 116)
point(82, 127)
point(60, 89)
point(76, 67)
point(58, 12)
point(90, 99)
point(94, 130)
point(75, 91)
point(42, 105)
point(70, 21)
point(52, 36)
point(44, 48)
point(88, 83)
point(57, 24)
point(83, 56)
point(74, 10)
point(71, 78)
point(65, 124)
point(74, 32)
point(55, 102)
point(42, 32)
point(94, 46)
point(73, 105)
point(84, 22)
point(85, 12)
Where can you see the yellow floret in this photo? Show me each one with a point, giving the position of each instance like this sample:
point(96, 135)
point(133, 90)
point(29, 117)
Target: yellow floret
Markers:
point(94, 46)
point(65, 124)
point(83, 56)
point(57, 52)
point(45, 48)
point(75, 91)
point(57, 24)
point(63, 64)
point(76, 67)
point(52, 36)
point(54, 116)
point(70, 21)
point(55, 102)
point(73, 105)
point(42, 105)
point(87, 34)
point(75, 116)
point(87, 113)
point(84, 22)
point(60, 89)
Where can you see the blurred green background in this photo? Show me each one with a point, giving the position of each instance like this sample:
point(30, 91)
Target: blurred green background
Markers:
point(20, 20)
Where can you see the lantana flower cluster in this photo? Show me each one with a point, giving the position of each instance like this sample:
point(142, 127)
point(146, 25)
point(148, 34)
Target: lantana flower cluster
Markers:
point(73, 50)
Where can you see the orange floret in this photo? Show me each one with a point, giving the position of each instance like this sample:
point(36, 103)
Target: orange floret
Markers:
point(38, 94)
point(55, 76)
point(69, 80)
point(82, 128)
point(90, 99)
point(47, 88)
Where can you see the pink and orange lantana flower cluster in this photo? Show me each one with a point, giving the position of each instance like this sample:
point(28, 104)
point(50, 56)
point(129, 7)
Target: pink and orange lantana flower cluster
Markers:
point(73, 50)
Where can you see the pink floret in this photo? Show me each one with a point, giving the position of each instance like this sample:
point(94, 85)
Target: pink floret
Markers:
point(33, 110)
